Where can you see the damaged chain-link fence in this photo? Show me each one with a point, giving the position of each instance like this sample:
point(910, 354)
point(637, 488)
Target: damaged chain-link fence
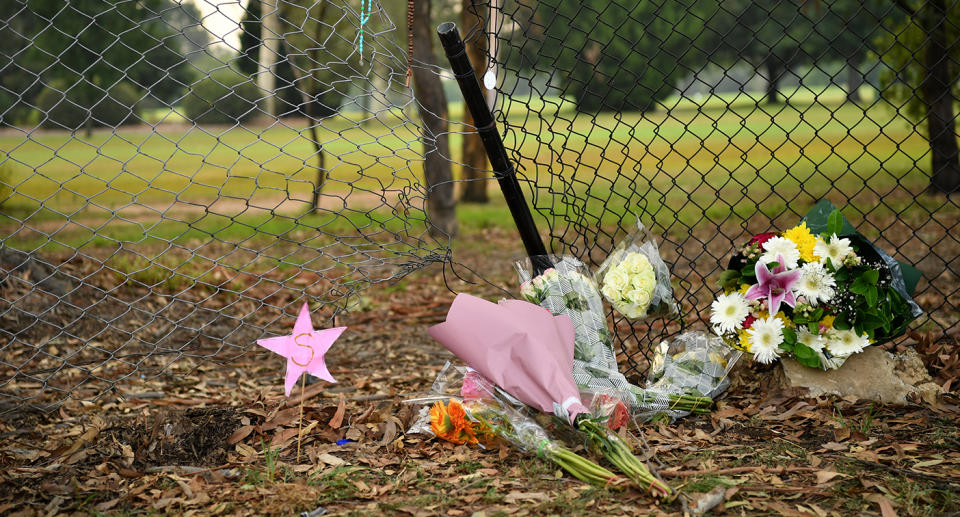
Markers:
point(176, 178)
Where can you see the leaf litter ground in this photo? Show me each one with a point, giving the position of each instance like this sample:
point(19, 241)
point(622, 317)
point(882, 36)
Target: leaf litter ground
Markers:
point(220, 439)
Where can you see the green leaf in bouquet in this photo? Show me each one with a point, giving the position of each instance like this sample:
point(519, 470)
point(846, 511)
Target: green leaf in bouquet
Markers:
point(749, 271)
point(870, 276)
point(583, 351)
point(842, 322)
point(729, 279)
point(835, 222)
point(871, 296)
point(691, 365)
point(818, 219)
point(841, 275)
point(574, 302)
point(817, 315)
point(789, 336)
point(693, 392)
point(871, 321)
point(808, 316)
point(806, 356)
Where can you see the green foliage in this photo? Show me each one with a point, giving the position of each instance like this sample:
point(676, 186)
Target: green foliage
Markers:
point(902, 46)
point(835, 223)
point(802, 353)
point(619, 57)
point(224, 97)
point(91, 45)
point(320, 59)
point(63, 105)
point(729, 280)
point(872, 306)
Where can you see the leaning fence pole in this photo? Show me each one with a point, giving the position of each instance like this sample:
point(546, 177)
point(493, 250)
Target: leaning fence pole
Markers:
point(487, 128)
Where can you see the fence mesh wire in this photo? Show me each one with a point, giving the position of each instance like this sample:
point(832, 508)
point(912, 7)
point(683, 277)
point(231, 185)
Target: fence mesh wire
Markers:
point(178, 177)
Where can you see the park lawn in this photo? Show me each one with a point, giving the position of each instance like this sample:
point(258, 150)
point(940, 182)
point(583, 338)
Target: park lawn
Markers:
point(724, 155)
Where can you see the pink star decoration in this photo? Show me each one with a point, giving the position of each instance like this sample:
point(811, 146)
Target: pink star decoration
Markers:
point(776, 285)
point(304, 349)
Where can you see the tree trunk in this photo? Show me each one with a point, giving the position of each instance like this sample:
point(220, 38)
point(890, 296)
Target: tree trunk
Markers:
point(428, 91)
point(773, 79)
point(473, 156)
point(936, 90)
point(854, 80)
point(309, 102)
point(270, 36)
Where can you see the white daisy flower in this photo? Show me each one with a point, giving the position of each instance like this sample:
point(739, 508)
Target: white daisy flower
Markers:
point(816, 284)
point(847, 342)
point(765, 338)
point(805, 337)
point(728, 312)
point(836, 250)
point(780, 246)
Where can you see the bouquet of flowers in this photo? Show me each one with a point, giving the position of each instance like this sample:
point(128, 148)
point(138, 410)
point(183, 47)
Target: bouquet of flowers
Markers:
point(817, 297)
point(694, 364)
point(636, 280)
point(478, 420)
point(539, 348)
point(487, 412)
point(568, 289)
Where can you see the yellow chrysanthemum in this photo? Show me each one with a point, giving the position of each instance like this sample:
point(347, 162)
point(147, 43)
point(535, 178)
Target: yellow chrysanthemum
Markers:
point(805, 241)
point(787, 323)
point(744, 341)
point(744, 288)
point(827, 321)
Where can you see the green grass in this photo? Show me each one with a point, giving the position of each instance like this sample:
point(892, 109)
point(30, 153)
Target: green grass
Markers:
point(718, 157)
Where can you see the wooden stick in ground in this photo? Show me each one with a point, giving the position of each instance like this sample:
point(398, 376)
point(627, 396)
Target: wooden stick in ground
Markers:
point(303, 386)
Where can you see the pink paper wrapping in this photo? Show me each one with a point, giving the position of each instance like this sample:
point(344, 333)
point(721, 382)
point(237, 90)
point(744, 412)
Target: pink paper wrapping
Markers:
point(517, 345)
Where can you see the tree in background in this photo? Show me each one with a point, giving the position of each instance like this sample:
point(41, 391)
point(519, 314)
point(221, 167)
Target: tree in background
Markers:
point(249, 61)
point(473, 15)
point(923, 56)
point(311, 68)
point(767, 34)
point(290, 97)
point(432, 102)
point(844, 31)
point(622, 56)
point(18, 85)
point(98, 60)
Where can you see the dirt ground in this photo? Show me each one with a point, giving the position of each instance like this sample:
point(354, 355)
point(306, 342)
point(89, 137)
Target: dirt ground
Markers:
point(209, 438)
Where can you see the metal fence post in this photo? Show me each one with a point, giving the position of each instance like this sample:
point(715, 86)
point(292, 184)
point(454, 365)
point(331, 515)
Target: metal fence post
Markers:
point(487, 127)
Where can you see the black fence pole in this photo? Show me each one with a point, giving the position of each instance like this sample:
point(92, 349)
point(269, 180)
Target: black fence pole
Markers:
point(496, 152)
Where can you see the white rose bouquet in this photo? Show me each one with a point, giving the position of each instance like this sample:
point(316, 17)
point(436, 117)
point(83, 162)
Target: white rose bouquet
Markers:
point(567, 288)
point(636, 280)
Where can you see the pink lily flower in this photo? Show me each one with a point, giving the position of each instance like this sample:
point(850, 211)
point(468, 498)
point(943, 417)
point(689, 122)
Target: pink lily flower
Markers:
point(775, 285)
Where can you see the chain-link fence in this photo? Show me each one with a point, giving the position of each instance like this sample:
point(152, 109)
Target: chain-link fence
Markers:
point(177, 177)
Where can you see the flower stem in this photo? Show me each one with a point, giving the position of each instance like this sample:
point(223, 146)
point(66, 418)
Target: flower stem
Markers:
point(617, 452)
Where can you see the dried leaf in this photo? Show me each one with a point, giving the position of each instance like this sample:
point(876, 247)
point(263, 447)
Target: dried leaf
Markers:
point(886, 508)
point(824, 476)
point(330, 459)
point(281, 418)
point(515, 497)
point(389, 432)
point(240, 434)
point(337, 419)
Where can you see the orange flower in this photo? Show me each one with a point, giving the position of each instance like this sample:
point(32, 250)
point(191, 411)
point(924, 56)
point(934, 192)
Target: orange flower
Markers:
point(450, 422)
